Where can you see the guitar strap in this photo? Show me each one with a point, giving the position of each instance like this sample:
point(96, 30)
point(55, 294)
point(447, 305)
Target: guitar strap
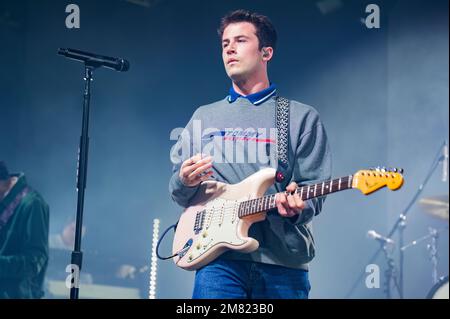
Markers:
point(8, 211)
point(284, 170)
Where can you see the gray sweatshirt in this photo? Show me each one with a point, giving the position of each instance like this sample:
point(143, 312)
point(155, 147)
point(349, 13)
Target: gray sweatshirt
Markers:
point(242, 138)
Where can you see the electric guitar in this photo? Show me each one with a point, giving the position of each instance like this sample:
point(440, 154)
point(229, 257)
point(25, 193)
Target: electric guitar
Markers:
point(222, 213)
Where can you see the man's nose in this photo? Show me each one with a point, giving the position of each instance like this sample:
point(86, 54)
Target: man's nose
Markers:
point(231, 49)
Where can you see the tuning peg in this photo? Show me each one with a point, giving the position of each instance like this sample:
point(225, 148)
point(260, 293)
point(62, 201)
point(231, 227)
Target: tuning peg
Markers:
point(400, 170)
point(394, 170)
point(383, 169)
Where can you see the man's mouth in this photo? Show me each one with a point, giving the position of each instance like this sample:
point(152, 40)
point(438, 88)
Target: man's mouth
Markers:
point(232, 60)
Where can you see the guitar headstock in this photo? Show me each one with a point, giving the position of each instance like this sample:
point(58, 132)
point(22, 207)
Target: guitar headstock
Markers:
point(368, 181)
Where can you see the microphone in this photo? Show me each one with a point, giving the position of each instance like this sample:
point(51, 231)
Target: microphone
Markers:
point(374, 235)
point(96, 60)
point(445, 162)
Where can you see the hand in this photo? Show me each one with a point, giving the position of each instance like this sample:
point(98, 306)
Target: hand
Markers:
point(195, 170)
point(289, 205)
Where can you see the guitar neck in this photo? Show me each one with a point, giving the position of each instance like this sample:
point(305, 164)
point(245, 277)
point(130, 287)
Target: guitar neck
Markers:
point(258, 205)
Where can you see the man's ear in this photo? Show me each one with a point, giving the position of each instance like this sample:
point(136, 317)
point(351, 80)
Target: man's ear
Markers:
point(267, 53)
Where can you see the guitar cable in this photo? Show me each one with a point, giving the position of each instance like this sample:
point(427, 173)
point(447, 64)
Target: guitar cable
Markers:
point(174, 226)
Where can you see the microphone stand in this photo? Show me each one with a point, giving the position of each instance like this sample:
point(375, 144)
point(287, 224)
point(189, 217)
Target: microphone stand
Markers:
point(91, 62)
point(77, 254)
point(432, 248)
point(400, 225)
point(390, 271)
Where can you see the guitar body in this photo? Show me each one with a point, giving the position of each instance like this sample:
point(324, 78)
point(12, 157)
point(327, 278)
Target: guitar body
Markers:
point(212, 226)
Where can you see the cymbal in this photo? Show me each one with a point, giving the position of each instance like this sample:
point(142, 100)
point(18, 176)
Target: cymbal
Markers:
point(436, 206)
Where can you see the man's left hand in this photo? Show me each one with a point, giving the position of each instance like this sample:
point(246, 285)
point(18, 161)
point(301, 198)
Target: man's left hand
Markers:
point(289, 204)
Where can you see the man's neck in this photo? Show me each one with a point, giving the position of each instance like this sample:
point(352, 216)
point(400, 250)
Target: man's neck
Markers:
point(246, 87)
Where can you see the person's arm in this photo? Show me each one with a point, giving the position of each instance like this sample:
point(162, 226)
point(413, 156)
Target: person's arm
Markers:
point(34, 257)
point(180, 152)
point(313, 165)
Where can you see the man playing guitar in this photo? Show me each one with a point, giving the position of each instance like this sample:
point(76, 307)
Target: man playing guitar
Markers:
point(238, 127)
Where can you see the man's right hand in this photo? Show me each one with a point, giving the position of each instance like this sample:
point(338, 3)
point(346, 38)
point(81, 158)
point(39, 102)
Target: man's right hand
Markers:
point(195, 170)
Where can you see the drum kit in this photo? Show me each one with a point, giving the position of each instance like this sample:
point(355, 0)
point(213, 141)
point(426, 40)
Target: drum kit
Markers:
point(437, 207)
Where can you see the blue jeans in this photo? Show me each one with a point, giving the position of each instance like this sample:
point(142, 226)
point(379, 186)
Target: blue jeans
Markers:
point(237, 279)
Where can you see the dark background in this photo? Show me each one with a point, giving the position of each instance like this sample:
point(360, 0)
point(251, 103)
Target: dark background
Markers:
point(382, 95)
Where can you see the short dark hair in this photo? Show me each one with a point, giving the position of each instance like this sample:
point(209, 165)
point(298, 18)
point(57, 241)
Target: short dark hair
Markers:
point(265, 31)
point(4, 174)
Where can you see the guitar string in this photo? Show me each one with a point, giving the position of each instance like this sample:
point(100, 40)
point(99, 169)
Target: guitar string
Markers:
point(335, 182)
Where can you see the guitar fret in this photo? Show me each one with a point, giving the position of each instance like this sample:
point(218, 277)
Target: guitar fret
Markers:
point(349, 181)
point(323, 187)
point(339, 187)
point(315, 190)
point(331, 187)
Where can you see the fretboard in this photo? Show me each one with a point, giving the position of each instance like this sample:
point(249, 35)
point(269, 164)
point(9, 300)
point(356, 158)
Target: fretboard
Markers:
point(306, 192)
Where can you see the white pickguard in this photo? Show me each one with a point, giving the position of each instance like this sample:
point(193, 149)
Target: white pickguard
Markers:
point(220, 226)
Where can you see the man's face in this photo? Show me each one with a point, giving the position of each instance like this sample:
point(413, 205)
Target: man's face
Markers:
point(240, 53)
